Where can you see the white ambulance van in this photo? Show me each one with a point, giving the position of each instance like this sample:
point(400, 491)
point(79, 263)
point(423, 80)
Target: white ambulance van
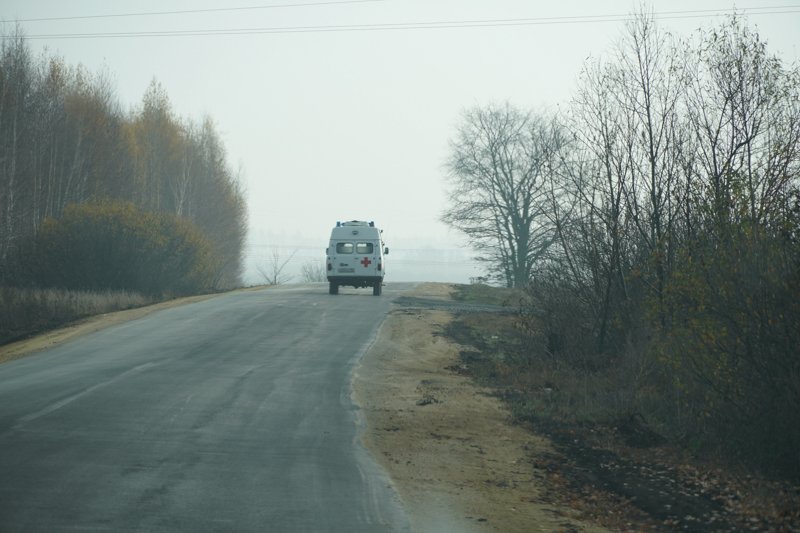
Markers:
point(355, 257)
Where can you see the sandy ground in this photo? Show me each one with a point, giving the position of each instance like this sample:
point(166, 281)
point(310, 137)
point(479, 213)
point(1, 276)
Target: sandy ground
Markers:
point(456, 462)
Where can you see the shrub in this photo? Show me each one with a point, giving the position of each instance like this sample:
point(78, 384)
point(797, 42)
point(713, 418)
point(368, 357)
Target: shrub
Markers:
point(732, 345)
point(112, 245)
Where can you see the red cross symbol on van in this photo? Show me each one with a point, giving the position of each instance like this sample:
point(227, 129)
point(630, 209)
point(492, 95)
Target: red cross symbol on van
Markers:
point(366, 262)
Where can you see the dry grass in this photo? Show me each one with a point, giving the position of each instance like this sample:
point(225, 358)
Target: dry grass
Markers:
point(26, 312)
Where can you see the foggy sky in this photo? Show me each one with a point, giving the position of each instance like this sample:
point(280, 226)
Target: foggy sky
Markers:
point(339, 125)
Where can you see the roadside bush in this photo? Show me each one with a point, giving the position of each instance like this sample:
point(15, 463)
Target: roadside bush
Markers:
point(115, 246)
point(732, 346)
point(719, 373)
point(712, 366)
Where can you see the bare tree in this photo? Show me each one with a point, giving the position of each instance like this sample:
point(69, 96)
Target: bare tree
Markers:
point(313, 271)
point(273, 270)
point(648, 83)
point(498, 195)
point(618, 209)
point(588, 203)
point(743, 112)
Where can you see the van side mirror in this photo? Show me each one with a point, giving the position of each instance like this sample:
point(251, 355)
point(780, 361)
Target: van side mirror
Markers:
point(386, 251)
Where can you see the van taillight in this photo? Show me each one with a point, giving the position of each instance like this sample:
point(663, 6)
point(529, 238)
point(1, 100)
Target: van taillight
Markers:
point(379, 266)
point(330, 267)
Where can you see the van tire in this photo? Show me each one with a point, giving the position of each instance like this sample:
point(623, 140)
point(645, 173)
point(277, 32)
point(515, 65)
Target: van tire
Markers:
point(333, 288)
point(377, 288)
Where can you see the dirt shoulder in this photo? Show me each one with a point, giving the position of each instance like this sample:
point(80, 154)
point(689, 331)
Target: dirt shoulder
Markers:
point(456, 462)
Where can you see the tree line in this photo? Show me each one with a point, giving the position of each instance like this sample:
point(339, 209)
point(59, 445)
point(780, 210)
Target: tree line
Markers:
point(66, 141)
point(655, 226)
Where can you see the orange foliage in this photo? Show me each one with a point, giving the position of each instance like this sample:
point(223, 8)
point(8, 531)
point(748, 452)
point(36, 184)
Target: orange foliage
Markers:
point(114, 245)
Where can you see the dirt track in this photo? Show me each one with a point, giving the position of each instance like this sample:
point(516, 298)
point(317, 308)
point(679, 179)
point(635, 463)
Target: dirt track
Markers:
point(455, 460)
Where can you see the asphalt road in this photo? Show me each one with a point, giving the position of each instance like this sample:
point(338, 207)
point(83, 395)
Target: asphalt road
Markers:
point(233, 414)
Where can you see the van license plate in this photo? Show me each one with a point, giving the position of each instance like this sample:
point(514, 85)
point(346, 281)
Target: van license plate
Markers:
point(347, 270)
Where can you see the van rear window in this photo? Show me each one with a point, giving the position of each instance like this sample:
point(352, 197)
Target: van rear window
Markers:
point(364, 248)
point(344, 247)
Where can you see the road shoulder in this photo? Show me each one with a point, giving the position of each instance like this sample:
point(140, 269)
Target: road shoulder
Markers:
point(456, 461)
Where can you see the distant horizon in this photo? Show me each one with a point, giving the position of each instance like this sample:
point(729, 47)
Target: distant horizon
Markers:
point(451, 264)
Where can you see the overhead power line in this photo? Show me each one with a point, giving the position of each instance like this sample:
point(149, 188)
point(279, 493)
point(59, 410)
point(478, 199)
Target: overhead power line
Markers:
point(445, 24)
point(198, 11)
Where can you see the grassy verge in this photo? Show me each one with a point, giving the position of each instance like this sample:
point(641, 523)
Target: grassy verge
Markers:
point(26, 312)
